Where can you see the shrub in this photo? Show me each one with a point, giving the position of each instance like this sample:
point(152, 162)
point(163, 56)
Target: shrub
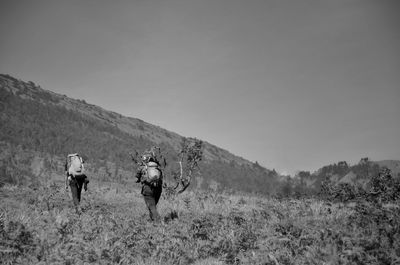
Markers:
point(381, 188)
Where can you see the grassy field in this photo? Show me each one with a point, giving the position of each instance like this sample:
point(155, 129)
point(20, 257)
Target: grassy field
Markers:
point(40, 226)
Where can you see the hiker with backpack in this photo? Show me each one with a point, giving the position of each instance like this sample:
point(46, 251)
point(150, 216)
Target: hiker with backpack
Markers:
point(149, 174)
point(75, 177)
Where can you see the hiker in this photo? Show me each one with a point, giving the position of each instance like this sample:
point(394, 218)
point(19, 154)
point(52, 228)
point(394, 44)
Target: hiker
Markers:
point(75, 177)
point(149, 175)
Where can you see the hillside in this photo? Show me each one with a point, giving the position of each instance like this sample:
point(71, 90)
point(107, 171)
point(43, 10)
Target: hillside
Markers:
point(40, 127)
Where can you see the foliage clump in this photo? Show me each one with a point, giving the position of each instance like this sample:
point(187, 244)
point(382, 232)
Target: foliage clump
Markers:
point(381, 188)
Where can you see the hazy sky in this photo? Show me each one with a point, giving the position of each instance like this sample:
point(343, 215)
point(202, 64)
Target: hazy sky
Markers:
point(293, 84)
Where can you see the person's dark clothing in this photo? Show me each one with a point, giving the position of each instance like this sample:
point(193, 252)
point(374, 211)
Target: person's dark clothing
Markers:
point(76, 184)
point(151, 193)
point(151, 197)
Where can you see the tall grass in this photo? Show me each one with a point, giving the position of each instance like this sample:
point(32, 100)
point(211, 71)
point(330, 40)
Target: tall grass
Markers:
point(41, 227)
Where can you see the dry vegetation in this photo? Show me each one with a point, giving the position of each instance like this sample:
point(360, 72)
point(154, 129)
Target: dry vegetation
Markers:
point(39, 226)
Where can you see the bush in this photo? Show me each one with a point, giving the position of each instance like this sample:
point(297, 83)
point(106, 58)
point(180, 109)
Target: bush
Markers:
point(381, 188)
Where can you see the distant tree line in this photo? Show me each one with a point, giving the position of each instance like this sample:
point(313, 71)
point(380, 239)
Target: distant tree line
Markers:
point(332, 178)
point(380, 188)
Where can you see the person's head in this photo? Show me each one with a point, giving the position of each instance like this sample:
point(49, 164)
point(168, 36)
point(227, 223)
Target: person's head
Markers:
point(71, 156)
point(145, 158)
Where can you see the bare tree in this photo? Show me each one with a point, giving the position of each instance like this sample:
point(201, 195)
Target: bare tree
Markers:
point(191, 154)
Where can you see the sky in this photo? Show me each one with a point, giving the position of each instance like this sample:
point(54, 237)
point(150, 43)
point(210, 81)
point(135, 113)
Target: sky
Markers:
point(294, 85)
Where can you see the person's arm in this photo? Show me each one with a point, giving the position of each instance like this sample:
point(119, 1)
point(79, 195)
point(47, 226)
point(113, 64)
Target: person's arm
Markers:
point(139, 175)
point(66, 181)
point(66, 173)
point(85, 183)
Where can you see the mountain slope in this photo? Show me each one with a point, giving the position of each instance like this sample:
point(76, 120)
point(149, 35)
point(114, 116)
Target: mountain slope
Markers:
point(45, 124)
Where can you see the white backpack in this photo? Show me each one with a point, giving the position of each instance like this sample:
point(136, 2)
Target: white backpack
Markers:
point(76, 167)
point(153, 172)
